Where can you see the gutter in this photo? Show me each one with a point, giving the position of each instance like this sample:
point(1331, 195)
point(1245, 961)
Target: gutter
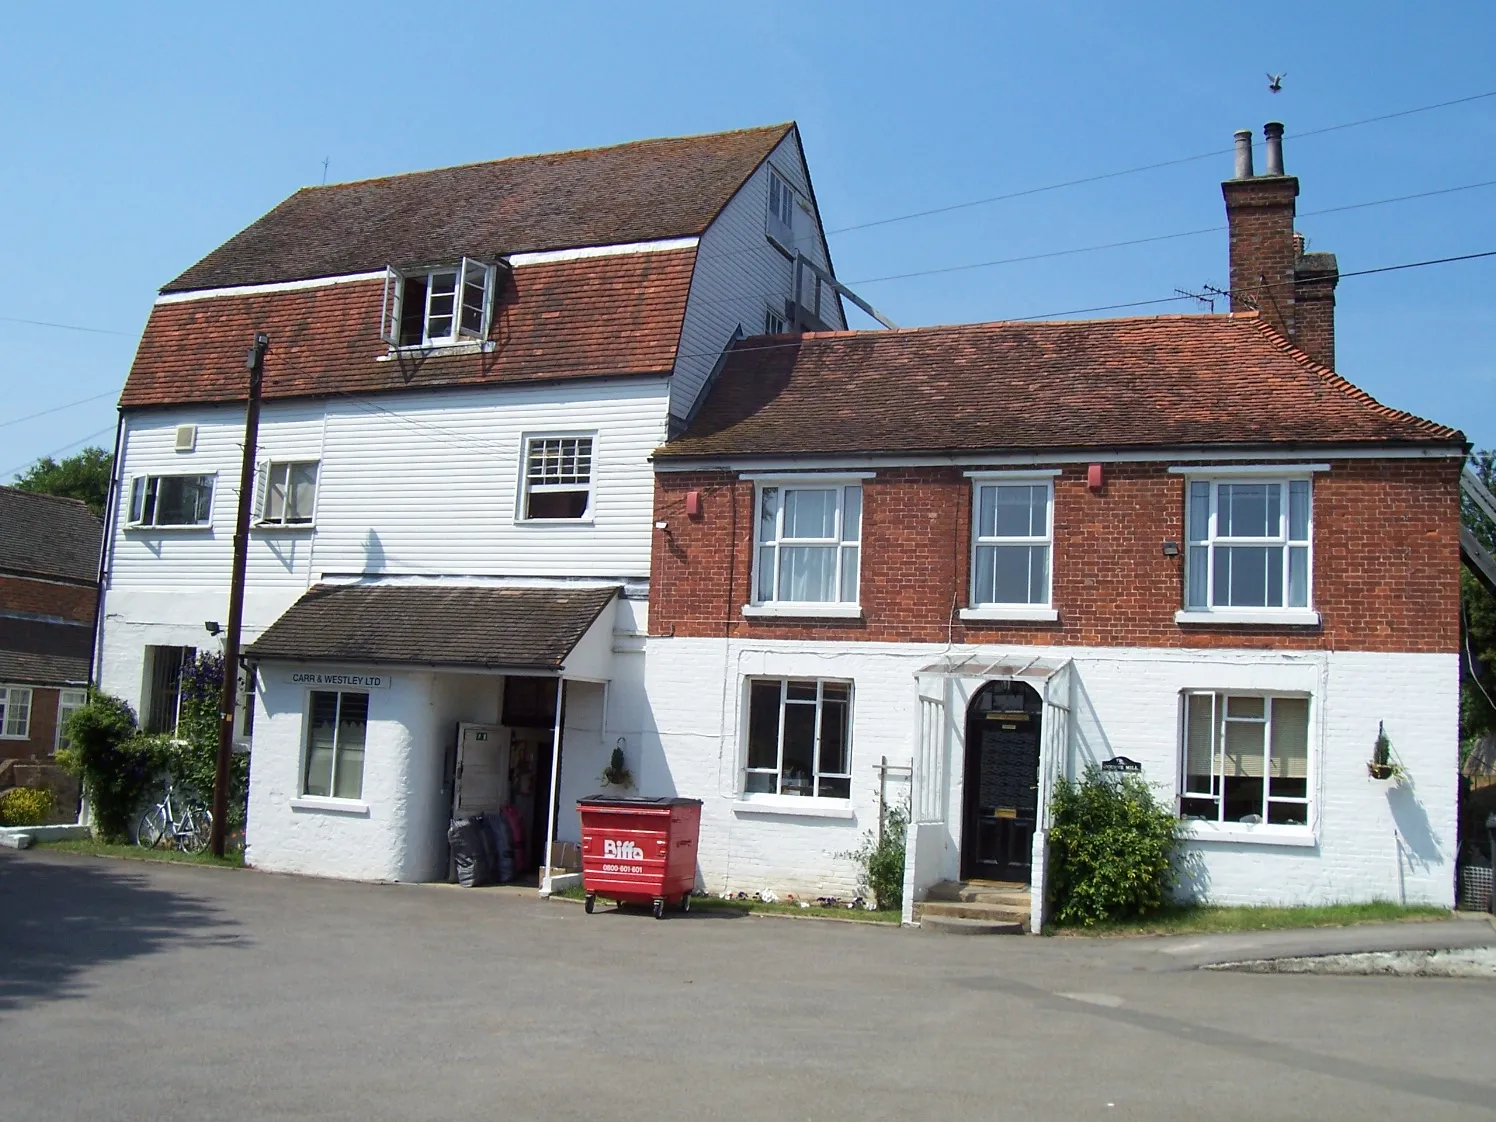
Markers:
point(111, 502)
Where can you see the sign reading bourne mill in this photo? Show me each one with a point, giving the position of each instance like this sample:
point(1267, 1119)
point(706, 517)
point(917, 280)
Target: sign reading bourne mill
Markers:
point(335, 678)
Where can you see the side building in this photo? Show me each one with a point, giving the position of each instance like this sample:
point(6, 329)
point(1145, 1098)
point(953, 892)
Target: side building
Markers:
point(450, 546)
point(942, 567)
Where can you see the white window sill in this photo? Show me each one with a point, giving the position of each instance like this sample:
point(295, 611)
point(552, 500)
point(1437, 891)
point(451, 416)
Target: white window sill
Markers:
point(802, 611)
point(424, 350)
point(142, 528)
point(1301, 836)
point(13, 736)
point(794, 806)
point(293, 527)
point(1286, 617)
point(587, 521)
point(334, 806)
point(996, 613)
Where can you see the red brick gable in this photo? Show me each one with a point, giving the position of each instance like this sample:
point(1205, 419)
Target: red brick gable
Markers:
point(644, 191)
point(1123, 383)
point(590, 317)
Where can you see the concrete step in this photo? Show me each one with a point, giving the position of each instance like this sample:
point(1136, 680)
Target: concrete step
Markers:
point(981, 892)
point(953, 925)
point(994, 913)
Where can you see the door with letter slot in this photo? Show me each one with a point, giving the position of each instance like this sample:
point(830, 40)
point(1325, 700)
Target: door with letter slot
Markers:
point(1001, 783)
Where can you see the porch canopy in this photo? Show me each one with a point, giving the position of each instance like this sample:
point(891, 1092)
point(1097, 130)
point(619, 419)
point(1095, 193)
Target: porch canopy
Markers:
point(552, 630)
point(1027, 668)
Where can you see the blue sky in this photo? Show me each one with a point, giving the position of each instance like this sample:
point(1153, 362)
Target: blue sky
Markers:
point(141, 136)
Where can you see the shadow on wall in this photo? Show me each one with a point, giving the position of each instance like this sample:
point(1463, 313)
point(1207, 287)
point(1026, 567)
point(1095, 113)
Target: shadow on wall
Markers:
point(1420, 848)
point(1191, 876)
point(59, 919)
point(1090, 744)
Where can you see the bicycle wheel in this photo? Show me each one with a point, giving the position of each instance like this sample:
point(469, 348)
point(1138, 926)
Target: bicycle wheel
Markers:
point(154, 830)
point(197, 828)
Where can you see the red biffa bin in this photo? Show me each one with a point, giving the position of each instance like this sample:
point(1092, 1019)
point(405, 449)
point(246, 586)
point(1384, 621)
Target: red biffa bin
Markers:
point(639, 851)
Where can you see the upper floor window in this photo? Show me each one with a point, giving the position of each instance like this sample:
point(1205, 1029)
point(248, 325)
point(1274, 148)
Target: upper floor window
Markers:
point(1249, 544)
point(434, 307)
point(774, 323)
point(781, 219)
point(1245, 759)
point(15, 712)
point(809, 539)
point(557, 478)
point(1012, 542)
point(286, 493)
point(799, 738)
point(171, 500)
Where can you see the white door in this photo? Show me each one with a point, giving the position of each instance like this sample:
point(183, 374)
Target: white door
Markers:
point(481, 784)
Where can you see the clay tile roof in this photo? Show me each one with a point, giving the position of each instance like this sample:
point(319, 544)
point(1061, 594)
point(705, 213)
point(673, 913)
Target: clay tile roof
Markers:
point(644, 191)
point(449, 625)
point(1124, 383)
point(588, 317)
point(48, 536)
point(44, 651)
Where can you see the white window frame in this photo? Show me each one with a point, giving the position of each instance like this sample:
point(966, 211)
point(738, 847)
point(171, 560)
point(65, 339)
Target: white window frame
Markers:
point(774, 606)
point(1194, 549)
point(1219, 827)
point(775, 322)
point(69, 701)
point(464, 271)
point(526, 487)
point(779, 228)
point(309, 709)
point(9, 697)
point(265, 476)
point(978, 610)
point(778, 798)
point(145, 482)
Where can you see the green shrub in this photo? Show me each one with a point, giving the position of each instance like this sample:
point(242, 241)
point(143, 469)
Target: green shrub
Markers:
point(882, 858)
point(116, 766)
point(26, 806)
point(1112, 845)
point(192, 758)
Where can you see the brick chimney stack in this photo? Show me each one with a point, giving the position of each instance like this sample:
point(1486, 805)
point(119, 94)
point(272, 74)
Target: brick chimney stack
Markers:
point(1270, 273)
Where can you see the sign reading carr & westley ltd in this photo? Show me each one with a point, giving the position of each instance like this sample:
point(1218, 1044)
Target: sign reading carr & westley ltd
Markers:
point(340, 679)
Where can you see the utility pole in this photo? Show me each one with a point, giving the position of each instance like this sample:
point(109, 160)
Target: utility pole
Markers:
point(228, 703)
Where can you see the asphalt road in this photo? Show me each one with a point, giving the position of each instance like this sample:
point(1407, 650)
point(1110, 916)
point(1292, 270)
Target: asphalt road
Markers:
point(133, 991)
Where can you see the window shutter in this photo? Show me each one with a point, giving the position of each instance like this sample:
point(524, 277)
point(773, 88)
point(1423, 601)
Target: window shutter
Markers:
point(262, 488)
point(389, 309)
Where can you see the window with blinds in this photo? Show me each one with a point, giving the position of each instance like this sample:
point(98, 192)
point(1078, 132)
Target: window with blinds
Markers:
point(1245, 758)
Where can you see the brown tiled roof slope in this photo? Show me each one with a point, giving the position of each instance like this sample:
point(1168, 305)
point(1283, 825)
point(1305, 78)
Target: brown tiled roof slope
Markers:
point(49, 536)
point(1122, 383)
point(445, 625)
point(583, 318)
point(635, 192)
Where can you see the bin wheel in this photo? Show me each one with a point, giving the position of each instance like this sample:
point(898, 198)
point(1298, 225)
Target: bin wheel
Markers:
point(685, 902)
point(590, 902)
point(659, 908)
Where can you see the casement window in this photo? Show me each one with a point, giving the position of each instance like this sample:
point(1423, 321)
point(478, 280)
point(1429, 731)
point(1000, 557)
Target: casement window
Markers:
point(439, 306)
point(336, 731)
point(15, 712)
point(286, 493)
point(1011, 548)
point(1245, 759)
point(68, 703)
point(809, 541)
point(161, 705)
point(774, 323)
point(558, 477)
point(171, 500)
point(1249, 544)
point(799, 738)
point(781, 219)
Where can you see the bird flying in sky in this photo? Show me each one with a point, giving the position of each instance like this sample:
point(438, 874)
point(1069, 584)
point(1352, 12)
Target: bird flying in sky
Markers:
point(1275, 81)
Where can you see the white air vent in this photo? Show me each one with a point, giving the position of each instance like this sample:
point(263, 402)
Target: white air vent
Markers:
point(186, 438)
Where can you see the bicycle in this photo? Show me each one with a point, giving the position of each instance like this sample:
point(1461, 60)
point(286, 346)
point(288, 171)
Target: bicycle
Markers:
point(187, 831)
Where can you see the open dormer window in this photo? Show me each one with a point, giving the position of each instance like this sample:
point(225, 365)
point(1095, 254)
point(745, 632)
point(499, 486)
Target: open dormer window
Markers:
point(439, 306)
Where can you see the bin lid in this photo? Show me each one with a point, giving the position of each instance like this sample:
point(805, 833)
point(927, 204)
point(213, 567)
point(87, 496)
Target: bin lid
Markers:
point(636, 800)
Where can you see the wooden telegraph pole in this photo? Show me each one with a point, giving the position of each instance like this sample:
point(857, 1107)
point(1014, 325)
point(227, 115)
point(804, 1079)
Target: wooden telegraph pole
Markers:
point(228, 703)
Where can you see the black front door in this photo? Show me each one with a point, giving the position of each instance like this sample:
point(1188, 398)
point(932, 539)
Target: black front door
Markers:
point(1002, 784)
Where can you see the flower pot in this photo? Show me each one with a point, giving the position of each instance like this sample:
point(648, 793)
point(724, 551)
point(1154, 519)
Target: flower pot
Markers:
point(1380, 771)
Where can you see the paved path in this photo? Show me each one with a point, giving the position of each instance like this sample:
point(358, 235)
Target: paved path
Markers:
point(133, 991)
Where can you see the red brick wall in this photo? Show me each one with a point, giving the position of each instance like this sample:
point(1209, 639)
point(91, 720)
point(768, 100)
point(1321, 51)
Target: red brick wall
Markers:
point(48, 598)
point(42, 738)
point(1386, 558)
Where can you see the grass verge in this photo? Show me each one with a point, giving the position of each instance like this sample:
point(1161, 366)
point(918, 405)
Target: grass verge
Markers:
point(1206, 918)
point(708, 904)
point(233, 858)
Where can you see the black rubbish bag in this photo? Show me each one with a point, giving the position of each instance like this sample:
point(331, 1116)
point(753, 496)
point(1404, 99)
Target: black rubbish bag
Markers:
point(503, 847)
point(472, 852)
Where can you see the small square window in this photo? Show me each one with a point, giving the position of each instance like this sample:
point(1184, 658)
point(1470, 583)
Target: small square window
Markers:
point(774, 323)
point(557, 479)
point(286, 493)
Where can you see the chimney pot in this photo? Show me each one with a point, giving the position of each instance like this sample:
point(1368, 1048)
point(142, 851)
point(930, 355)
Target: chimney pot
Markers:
point(1243, 154)
point(1273, 130)
point(1298, 246)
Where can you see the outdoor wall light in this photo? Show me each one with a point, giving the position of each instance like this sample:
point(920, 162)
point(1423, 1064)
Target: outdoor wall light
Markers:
point(211, 627)
point(1171, 549)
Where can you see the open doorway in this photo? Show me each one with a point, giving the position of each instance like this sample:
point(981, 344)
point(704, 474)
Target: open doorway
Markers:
point(1001, 787)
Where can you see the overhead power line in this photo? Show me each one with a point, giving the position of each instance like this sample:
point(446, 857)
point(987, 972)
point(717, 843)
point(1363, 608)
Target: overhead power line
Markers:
point(57, 408)
point(63, 326)
point(8, 472)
